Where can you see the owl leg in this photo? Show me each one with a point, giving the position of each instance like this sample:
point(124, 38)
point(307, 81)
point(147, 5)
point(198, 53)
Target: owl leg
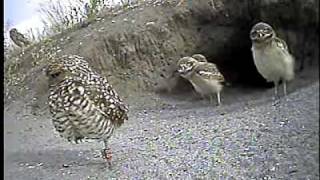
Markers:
point(210, 96)
point(285, 88)
point(276, 85)
point(218, 98)
point(276, 90)
point(106, 153)
point(276, 97)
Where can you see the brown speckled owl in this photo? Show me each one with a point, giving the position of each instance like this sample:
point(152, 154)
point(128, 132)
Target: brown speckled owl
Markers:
point(18, 38)
point(83, 103)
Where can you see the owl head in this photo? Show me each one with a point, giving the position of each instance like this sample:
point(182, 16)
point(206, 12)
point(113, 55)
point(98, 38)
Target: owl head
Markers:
point(199, 57)
point(65, 66)
point(262, 32)
point(13, 31)
point(56, 72)
point(186, 66)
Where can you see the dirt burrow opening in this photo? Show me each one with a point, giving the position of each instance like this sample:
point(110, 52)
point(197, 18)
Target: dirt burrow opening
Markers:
point(137, 49)
point(223, 29)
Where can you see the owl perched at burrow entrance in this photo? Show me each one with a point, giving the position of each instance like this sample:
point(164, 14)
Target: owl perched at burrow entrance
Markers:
point(204, 77)
point(18, 38)
point(271, 56)
point(83, 103)
point(199, 57)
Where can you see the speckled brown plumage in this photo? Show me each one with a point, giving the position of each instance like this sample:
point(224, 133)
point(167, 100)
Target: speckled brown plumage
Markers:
point(18, 38)
point(83, 103)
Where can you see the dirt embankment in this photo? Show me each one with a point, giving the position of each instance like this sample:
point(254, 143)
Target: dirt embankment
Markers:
point(137, 48)
point(167, 137)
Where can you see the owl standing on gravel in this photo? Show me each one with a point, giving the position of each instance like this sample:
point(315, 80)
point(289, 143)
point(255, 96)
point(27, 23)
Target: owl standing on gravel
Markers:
point(204, 77)
point(83, 103)
point(271, 55)
point(18, 38)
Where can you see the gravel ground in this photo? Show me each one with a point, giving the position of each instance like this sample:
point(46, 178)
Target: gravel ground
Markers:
point(179, 137)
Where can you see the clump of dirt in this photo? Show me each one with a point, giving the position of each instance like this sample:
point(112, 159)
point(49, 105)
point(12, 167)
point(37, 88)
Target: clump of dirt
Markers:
point(137, 49)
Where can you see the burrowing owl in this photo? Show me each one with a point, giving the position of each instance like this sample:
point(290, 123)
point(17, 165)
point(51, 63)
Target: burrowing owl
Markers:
point(18, 38)
point(83, 103)
point(199, 57)
point(271, 55)
point(205, 77)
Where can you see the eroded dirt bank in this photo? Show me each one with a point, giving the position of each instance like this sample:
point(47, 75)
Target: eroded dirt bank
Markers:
point(175, 135)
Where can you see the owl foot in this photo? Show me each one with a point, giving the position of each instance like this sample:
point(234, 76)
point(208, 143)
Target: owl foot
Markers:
point(276, 101)
point(107, 154)
point(78, 139)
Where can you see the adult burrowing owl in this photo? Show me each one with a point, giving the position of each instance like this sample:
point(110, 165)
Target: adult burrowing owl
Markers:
point(205, 77)
point(82, 102)
point(18, 38)
point(271, 55)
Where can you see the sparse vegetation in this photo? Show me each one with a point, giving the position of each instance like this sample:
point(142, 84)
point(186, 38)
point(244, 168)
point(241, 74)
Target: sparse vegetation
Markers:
point(174, 135)
point(137, 42)
point(57, 17)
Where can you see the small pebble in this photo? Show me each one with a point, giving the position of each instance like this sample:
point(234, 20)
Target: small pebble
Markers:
point(65, 165)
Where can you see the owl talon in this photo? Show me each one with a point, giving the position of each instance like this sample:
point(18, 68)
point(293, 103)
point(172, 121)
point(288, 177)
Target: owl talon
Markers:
point(78, 139)
point(107, 154)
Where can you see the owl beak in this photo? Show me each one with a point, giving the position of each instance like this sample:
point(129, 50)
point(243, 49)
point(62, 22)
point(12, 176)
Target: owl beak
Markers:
point(180, 70)
point(268, 35)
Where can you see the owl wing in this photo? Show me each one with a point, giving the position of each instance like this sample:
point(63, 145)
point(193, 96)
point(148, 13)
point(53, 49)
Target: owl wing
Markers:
point(71, 103)
point(107, 100)
point(208, 67)
point(281, 44)
point(209, 71)
point(22, 38)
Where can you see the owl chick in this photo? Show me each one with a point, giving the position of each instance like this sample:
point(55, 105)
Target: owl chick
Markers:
point(18, 38)
point(83, 104)
point(204, 77)
point(199, 57)
point(202, 58)
point(271, 55)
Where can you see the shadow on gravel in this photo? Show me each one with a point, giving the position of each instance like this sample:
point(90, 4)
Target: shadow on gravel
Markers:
point(56, 159)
